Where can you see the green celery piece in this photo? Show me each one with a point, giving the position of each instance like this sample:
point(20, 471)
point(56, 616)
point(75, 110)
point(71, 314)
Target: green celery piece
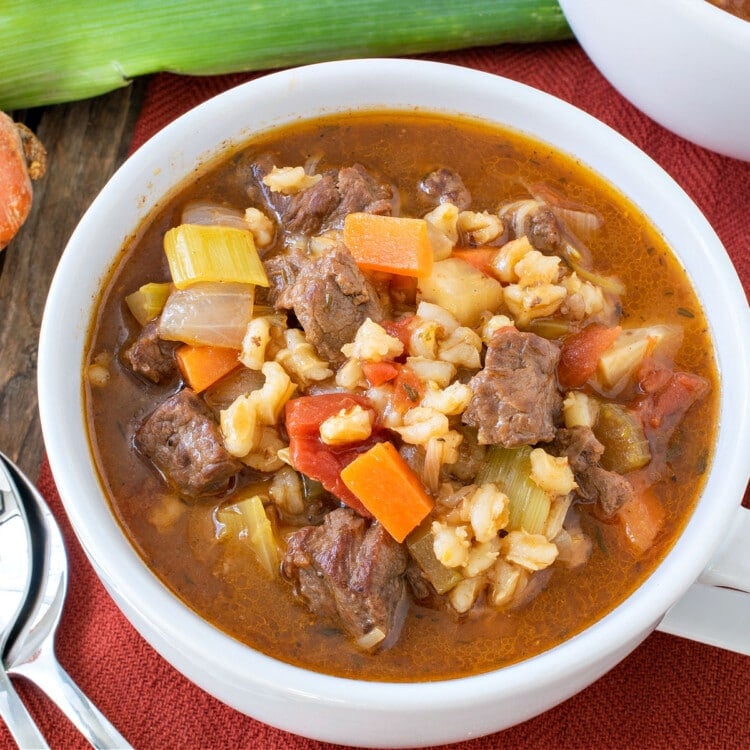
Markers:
point(510, 468)
point(420, 546)
point(621, 433)
point(55, 51)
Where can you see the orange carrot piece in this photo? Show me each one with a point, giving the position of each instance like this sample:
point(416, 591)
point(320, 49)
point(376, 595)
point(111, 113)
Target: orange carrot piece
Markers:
point(393, 244)
point(202, 366)
point(378, 373)
point(389, 489)
point(479, 257)
point(641, 520)
point(581, 351)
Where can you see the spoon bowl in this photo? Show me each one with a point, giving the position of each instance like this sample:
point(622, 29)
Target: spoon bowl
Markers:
point(15, 585)
point(30, 653)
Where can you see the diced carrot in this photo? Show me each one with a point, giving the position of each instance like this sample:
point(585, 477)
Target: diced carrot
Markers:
point(393, 244)
point(641, 519)
point(202, 366)
point(408, 390)
point(479, 257)
point(389, 489)
point(378, 373)
point(581, 351)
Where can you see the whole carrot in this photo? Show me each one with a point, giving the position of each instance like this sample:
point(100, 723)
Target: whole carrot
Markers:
point(22, 158)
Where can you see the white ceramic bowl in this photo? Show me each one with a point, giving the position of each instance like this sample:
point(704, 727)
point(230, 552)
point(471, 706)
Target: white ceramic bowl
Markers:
point(320, 706)
point(685, 63)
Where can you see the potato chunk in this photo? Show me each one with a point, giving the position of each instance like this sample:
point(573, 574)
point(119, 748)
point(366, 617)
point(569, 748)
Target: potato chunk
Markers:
point(461, 289)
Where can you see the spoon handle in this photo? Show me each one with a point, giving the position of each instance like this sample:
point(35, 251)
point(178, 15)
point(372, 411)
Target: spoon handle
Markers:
point(49, 676)
point(25, 732)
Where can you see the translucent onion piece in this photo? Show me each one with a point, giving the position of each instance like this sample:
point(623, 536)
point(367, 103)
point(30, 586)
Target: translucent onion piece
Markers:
point(213, 214)
point(580, 219)
point(208, 314)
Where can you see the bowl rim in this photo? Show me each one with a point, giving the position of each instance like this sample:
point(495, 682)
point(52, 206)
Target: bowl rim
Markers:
point(132, 589)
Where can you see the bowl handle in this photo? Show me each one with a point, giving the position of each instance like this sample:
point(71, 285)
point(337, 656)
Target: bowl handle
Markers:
point(716, 609)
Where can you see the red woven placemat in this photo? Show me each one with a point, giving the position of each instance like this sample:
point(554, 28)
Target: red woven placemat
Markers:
point(670, 693)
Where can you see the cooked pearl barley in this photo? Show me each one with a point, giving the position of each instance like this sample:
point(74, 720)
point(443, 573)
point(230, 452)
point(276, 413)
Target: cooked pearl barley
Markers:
point(260, 225)
point(255, 342)
point(348, 426)
point(487, 509)
point(530, 551)
point(462, 348)
point(551, 473)
point(372, 343)
point(290, 180)
point(450, 544)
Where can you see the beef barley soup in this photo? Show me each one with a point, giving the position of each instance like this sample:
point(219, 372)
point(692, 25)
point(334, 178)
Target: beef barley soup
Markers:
point(398, 396)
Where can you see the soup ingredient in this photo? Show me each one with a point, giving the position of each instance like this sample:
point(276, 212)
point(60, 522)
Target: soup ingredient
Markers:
point(510, 469)
point(208, 314)
point(350, 573)
point(392, 244)
point(182, 438)
point(389, 489)
point(247, 521)
point(621, 433)
point(642, 518)
point(202, 366)
point(516, 400)
point(198, 252)
point(22, 159)
point(461, 289)
point(148, 301)
point(580, 353)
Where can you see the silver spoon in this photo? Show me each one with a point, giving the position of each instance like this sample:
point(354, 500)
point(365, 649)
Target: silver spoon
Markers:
point(15, 582)
point(31, 652)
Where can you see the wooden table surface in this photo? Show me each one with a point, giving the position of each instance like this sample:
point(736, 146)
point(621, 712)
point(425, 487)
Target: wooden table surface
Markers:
point(86, 141)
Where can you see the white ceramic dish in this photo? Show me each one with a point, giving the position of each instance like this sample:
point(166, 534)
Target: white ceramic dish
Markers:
point(319, 706)
point(685, 63)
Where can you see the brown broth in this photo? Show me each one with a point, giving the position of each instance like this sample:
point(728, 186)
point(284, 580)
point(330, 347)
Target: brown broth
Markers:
point(234, 594)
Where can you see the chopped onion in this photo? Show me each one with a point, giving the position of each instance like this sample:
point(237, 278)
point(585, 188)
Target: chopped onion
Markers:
point(208, 314)
point(369, 640)
point(213, 214)
point(580, 219)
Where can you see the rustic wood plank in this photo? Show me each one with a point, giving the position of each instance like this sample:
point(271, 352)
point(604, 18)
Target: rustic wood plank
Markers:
point(86, 141)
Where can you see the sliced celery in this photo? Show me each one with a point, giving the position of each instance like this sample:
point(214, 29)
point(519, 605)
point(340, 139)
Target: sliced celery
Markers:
point(196, 253)
point(510, 469)
point(621, 434)
point(147, 302)
point(247, 519)
point(420, 546)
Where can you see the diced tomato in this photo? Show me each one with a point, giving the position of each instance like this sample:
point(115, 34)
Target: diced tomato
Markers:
point(408, 390)
point(479, 257)
point(400, 329)
point(581, 351)
point(378, 373)
point(304, 415)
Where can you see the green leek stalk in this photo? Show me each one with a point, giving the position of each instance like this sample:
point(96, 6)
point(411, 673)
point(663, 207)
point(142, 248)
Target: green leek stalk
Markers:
point(57, 51)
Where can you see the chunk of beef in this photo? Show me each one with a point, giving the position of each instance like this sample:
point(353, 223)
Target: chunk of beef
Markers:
point(608, 489)
point(325, 204)
point(331, 299)
point(446, 186)
point(151, 356)
point(282, 271)
point(516, 400)
point(182, 439)
point(350, 572)
point(543, 230)
point(361, 191)
point(306, 212)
